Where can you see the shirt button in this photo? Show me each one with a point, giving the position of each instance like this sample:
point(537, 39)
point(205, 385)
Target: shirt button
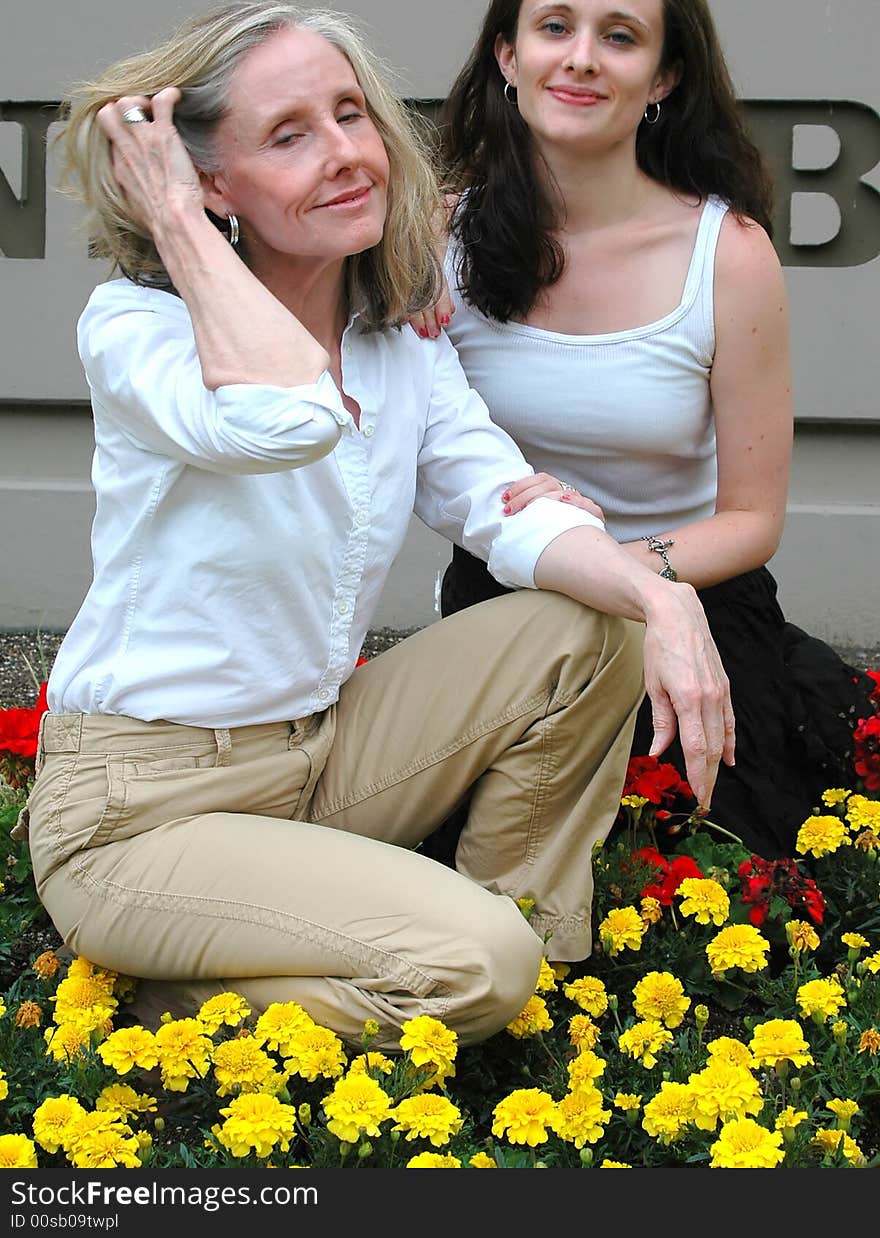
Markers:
point(361, 517)
point(343, 608)
point(323, 694)
point(368, 431)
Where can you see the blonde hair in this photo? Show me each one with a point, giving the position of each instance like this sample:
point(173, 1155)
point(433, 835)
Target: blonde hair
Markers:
point(387, 283)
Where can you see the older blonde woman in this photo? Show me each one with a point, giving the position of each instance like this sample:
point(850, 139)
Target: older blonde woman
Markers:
point(223, 800)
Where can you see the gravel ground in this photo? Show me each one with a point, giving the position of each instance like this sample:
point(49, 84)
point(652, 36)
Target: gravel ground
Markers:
point(18, 649)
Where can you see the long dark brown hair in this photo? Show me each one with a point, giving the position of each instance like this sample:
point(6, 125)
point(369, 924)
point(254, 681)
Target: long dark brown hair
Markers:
point(504, 224)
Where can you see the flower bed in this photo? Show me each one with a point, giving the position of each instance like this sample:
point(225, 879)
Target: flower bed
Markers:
point(729, 1016)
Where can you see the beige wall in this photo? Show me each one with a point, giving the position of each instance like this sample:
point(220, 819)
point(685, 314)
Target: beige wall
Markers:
point(806, 52)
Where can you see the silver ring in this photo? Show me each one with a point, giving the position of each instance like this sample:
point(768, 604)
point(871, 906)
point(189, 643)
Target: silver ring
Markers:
point(134, 115)
point(563, 485)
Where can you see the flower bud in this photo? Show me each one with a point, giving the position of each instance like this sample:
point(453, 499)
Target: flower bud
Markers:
point(586, 1157)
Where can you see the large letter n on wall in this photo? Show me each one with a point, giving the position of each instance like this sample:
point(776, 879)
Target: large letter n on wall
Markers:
point(23, 220)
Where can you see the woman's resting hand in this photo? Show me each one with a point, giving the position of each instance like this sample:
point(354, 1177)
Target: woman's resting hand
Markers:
point(520, 494)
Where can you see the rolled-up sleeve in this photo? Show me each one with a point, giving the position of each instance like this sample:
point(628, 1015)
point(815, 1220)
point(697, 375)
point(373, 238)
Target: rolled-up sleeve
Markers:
point(465, 464)
point(143, 368)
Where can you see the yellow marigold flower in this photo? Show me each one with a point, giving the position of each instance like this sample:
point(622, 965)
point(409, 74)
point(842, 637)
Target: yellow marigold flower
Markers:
point(2, 1008)
point(820, 836)
point(728, 1049)
point(369, 1063)
point(256, 1123)
point(606, 1164)
point(819, 999)
point(801, 935)
point(743, 1144)
point(46, 964)
point(644, 1041)
point(629, 1102)
point(125, 987)
point(428, 1117)
point(52, 1119)
point(481, 1160)
point(622, 928)
point(738, 945)
point(242, 1066)
point(433, 1160)
point(701, 1015)
point(223, 1008)
point(837, 1141)
point(66, 1042)
point(357, 1106)
point(430, 1043)
point(855, 941)
point(316, 1052)
point(780, 1040)
point(651, 909)
point(184, 1053)
point(29, 1014)
point(17, 1152)
point(667, 1114)
point(834, 796)
point(579, 1117)
point(589, 993)
point(660, 995)
point(83, 999)
point(584, 1069)
point(863, 814)
point(4, 1086)
point(523, 1116)
point(723, 1091)
point(546, 982)
point(790, 1118)
point(866, 841)
point(706, 900)
point(583, 1032)
point(125, 1102)
point(371, 1029)
point(533, 1019)
point(100, 1141)
point(869, 1041)
point(526, 906)
point(634, 801)
point(844, 1111)
point(872, 963)
point(279, 1025)
point(561, 970)
point(130, 1046)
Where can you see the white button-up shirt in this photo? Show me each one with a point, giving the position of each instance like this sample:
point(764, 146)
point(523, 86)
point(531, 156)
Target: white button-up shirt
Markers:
point(242, 536)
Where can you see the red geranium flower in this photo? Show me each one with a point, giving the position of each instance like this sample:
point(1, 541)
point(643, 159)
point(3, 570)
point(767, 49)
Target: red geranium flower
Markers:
point(658, 783)
point(875, 695)
point(19, 728)
point(670, 873)
point(866, 754)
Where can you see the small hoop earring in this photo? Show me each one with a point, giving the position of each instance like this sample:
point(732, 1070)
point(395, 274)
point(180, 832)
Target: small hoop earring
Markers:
point(648, 120)
point(508, 86)
point(234, 230)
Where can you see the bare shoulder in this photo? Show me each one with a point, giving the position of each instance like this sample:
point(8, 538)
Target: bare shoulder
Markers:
point(745, 253)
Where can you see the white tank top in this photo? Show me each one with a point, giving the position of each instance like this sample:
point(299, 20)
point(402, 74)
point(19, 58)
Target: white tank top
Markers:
point(626, 417)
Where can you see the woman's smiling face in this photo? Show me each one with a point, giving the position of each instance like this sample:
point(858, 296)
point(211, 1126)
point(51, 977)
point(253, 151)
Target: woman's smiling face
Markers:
point(301, 162)
point(585, 70)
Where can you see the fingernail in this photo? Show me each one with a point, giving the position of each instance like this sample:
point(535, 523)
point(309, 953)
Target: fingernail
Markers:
point(423, 334)
point(507, 511)
point(444, 318)
point(506, 495)
point(566, 498)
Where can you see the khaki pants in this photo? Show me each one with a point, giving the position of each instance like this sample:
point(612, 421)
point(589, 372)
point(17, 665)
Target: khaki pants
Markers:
point(277, 860)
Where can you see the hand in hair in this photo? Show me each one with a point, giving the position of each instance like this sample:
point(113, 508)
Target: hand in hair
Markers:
point(150, 162)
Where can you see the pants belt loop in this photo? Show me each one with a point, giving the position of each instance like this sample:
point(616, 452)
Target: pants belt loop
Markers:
point(224, 746)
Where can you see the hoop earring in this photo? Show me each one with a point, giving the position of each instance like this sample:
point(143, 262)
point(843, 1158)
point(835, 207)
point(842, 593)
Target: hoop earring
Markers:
point(508, 86)
point(648, 120)
point(234, 230)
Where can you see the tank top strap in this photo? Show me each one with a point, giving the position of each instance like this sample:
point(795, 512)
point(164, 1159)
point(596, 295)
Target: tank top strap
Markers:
point(700, 285)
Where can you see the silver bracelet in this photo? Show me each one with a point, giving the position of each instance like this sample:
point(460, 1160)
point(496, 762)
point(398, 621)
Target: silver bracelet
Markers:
point(659, 546)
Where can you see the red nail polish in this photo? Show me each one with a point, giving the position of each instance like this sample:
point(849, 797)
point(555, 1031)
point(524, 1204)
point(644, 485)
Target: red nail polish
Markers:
point(507, 511)
point(444, 319)
point(506, 495)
